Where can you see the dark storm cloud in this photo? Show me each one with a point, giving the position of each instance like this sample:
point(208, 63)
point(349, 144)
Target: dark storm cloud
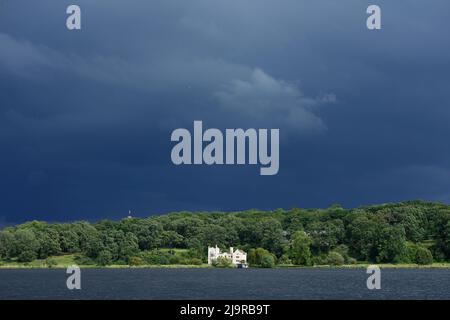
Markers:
point(85, 117)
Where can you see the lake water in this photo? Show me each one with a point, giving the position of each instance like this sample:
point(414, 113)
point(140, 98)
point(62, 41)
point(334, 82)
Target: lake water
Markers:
point(225, 284)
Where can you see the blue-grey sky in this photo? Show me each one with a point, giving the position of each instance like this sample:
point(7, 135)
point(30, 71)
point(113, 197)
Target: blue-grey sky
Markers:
point(86, 116)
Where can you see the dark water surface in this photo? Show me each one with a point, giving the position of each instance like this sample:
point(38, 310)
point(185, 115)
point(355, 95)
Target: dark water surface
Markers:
point(225, 284)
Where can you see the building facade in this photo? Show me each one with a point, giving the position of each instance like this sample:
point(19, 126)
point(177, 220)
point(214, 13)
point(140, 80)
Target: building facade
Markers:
point(237, 257)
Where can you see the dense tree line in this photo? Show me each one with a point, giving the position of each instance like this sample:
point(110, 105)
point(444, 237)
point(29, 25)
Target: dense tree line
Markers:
point(409, 232)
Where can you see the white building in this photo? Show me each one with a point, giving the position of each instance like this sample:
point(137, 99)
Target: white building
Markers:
point(237, 257)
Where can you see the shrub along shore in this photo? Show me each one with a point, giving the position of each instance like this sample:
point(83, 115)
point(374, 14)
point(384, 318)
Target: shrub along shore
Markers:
point(402, 235)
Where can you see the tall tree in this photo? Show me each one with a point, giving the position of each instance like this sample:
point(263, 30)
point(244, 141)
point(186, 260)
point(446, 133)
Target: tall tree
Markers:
point(300, 251)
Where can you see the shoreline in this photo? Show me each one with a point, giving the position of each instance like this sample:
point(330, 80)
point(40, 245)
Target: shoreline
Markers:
point(205, 266)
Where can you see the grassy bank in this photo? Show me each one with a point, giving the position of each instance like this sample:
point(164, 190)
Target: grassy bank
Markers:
point(380, 265)
point(66, 260)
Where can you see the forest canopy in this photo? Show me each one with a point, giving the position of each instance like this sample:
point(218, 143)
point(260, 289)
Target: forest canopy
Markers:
point(406, 232)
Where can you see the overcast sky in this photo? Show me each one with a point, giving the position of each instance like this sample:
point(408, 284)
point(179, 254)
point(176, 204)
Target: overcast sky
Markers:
point(86, 116)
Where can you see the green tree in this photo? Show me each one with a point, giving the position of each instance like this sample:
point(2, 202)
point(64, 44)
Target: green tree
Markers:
point(93, 246)
point(49, 243)
point(268, 261)
point(222, 262)
point(128, 246)
point(300, 252)
point(272, 237)
point(343, 250)
point(171, 239)
point(69, 242)
point(149, 234)
point(104, 258)
point(27, 255)
point(25, 245)
point(390, 243)
point(6, 244)
point(325, 235)
point(423, 256)
point(256, 256)
point(442, 231)
point(284, 260)
point(135, 261)
point(363, 233)
point(335, 258)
